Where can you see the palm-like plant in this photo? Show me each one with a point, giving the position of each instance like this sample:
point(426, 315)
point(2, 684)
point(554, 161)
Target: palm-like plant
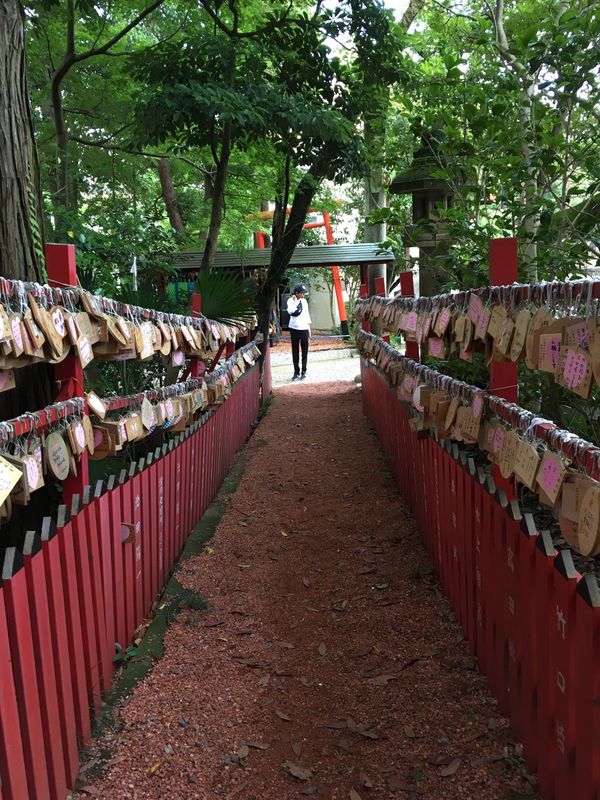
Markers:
point(226, 296)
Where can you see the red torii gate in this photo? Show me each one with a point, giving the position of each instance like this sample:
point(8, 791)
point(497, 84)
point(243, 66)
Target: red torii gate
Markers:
point(325, 223)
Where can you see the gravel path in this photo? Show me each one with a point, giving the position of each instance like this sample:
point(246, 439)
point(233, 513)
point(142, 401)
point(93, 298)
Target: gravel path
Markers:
point(329, 663)
point(322, 368)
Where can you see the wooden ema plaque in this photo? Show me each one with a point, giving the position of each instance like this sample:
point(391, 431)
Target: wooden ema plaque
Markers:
point(588, 529)
point(551, 475)
point(57, 456)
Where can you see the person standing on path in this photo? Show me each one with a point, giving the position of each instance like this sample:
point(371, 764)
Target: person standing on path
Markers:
point(300, 322)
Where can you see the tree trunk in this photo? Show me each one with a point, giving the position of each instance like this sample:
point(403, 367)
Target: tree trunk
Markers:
point(21, 238)
point(285, 238)
point(169, 196)
point(21, 249)
point(375, 198)
point(375, 232)
point(216, 211)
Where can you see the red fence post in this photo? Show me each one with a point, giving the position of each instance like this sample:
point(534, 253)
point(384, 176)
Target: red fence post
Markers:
point(62, 271)
point(587, 686)
point(24, 669)
point(12, 759)
point(42, 633)
point(407, 289)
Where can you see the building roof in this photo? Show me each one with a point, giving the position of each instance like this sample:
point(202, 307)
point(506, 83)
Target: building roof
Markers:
point(327, 255)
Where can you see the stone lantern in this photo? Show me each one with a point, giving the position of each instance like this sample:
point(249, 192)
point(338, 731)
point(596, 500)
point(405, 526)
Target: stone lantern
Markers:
point(430, 195)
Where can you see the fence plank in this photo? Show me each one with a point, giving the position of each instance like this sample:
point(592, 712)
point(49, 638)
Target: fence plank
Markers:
point(42, 633)
point(12, 756)
point(69, 690)
point(101, 509)
point(85, 593)
point(25, 669)
point(70, 594)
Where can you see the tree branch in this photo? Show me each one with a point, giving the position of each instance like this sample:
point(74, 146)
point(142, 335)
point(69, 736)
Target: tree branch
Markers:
point(105, 145)
point(98, 51)
point(70, 29)
point(215, 17)
point(410, 14)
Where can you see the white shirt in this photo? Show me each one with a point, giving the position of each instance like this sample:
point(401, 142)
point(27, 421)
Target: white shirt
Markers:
point(303, 321)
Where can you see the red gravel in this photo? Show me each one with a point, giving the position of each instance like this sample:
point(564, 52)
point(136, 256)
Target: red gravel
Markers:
point(328, 645)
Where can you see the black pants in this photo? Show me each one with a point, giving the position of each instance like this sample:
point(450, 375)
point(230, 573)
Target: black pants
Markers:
point(299, 339)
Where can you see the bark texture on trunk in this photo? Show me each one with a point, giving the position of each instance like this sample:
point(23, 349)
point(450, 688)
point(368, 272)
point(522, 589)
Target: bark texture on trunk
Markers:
point(169, 195)
point(20, 217)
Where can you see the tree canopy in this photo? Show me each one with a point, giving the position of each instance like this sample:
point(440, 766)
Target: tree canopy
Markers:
point(162, 125)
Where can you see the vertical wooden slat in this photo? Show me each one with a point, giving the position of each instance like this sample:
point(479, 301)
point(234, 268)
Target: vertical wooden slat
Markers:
point(12, 756)
point(128, 548)
point(101, 509)
point(69, 691)
point(115, 517)
point(42, 633)
point(25, 670)
point(85, 594)
point(70, 592)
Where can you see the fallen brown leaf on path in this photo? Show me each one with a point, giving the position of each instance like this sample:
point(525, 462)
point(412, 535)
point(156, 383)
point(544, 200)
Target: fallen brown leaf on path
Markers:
point(154, 768)
point(238, 789)
point(354, 795)
point(322, 649)
point(258, 745)
point(301, 773)
point(367, 734)
point(365, 780)
point(344, 744)
point(383, 680)
point(297, 748)
point(409, 732)
point(282, 716)
point(363, 652)
point(397, 784)
point(451, 768)
point(440, 759)
point(86, 767)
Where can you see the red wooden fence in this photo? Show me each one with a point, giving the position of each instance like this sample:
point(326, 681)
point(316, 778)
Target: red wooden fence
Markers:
point(86, 581)
point(531, 619)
